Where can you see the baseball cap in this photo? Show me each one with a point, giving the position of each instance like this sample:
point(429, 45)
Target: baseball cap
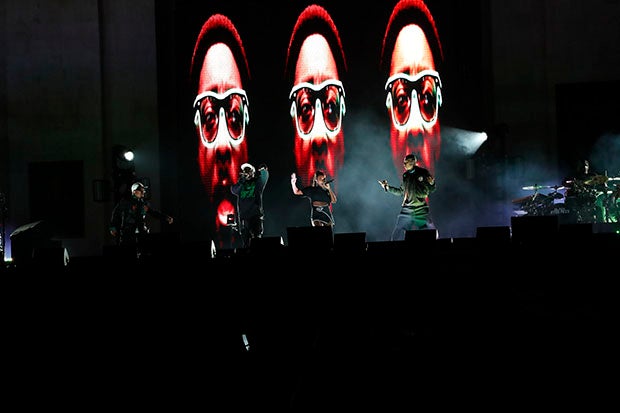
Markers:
point(247, 165)
point(138, 185)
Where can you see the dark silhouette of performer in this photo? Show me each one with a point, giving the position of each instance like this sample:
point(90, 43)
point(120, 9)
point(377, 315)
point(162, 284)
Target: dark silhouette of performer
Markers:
point(416, 186)
point(249, 192)
point(129, 218)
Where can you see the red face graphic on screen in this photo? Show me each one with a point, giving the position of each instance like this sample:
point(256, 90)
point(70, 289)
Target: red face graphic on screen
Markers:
point(317, 96)
point(221, 116)
point(220, 108)
point(410, 57)
point(413, 97)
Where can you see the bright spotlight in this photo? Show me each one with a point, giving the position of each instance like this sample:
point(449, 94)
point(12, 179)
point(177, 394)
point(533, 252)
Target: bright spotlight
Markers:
point(462, 141)
point(123, 157)
point(123, 170)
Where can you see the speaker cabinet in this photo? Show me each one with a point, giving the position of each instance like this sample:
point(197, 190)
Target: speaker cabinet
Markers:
point(352, 242)
point(50, 256)
point(497, 235)
point(534, 229)
point(310, 238)
point(267, 244)
point(424, 236)
point(28, 237)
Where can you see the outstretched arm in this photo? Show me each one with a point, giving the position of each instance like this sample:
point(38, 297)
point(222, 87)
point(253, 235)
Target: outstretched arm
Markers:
point(264, 173)
point(384, 184)
point(155, 213)
point(296, 190)
point(391, 189)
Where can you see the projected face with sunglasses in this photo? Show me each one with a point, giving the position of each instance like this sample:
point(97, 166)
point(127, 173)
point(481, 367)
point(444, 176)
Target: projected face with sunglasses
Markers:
point(317, 109)
point(220, 116)
point(413, 99)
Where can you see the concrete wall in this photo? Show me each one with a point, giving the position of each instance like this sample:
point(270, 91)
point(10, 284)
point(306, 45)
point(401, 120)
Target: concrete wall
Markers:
point(77, 77)
point(537, 45)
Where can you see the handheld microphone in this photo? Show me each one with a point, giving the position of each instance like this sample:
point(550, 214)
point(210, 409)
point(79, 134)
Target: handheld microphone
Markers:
point(329, 181)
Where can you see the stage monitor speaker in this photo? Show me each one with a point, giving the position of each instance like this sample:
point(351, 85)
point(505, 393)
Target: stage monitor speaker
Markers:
point(199, 251)
point(424, 236)
point(26, 238)
point(606, 227)
point(534, 229)
point(310, 239)
point(116, 255)
point(494, 235)
point(267, 244)
point(51, 256)
point(351, 242)
point(160, 245)
point(573, 232)
point(459, 243)
point(392, 249)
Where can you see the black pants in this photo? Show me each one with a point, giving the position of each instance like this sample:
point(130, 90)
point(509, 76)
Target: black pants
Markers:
point(251, 227)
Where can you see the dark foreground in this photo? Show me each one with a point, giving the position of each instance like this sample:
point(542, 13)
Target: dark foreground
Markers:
point(483, 324)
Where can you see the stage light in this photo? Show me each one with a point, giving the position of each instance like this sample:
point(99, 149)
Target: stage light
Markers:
point(461, 141)
point(123, 170)
point(123, 157)
point(128, 155)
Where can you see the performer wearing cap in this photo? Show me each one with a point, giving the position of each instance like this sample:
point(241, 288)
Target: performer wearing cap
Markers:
point(129, 222)
point(249, 192)
point(416, 186)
